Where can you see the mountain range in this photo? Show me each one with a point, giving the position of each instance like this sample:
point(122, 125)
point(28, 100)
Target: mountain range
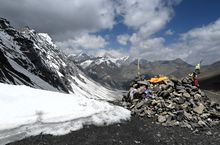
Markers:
point(118, 72)
point(32, 59)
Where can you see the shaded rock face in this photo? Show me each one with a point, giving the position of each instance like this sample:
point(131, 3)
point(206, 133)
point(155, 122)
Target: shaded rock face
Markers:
point(173, 102)
point(30, 58)
point(102, 70)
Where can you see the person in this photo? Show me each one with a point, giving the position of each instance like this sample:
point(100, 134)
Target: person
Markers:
point(195, 74)
point(195, 80)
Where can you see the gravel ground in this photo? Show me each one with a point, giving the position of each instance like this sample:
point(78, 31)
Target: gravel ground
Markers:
point(137, 131)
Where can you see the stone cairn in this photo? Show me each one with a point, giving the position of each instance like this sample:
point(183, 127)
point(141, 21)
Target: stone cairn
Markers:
point(172, 102)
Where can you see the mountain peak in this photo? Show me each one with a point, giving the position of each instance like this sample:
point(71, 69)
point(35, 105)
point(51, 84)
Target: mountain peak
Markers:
point(4, 23)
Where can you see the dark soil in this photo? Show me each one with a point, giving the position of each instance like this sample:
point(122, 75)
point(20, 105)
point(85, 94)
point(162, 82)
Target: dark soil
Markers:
point(210, 83)
point(137, 131)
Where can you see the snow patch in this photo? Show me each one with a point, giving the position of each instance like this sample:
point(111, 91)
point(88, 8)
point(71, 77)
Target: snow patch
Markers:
point(86, 63)
point(26, 111)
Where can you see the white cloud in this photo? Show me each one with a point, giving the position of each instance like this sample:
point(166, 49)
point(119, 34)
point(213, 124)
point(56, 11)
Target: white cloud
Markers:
point(147, 17)
point(60, 18)
point(82, 42)
point(123, 39)
point(148, 49)
point(115, 53)
point(169, 32)
point(192, 46)
point(202, 43)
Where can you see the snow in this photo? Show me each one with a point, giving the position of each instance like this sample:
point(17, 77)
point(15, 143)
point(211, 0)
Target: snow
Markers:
point(25, 111)
point(92, 90)
point(46, 37)
point(108, 59)
point(86, 63)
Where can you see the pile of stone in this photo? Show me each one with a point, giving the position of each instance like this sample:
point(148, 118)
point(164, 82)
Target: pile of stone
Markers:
point(172, 102)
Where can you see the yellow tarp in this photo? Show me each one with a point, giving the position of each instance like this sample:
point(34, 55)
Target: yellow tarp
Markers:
point(158, 79)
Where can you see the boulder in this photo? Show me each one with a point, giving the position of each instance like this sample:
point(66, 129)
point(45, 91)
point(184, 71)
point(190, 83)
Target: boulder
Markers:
point(186, 95)
point(161, 118)
point(199, 109)
point(140, 104)
point(142, 89)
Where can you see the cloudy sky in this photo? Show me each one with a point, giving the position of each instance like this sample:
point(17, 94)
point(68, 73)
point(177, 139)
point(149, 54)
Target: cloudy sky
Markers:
point(151, 29)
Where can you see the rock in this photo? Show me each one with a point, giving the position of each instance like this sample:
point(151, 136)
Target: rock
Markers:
point(186, 124)
point(194, 88)
point(175, 103)
point(169, 83)
point(143, 83)
point(148, 112)
point(142, 114)
point(164, 94)
point(202, 123)
point(179, 116)
point(217, 108)
point(170, 90)
point(180, 87)
point(199, 109)
point(174, 79)
point(184, 106)
point(164, 87)
point(170, 106)
point(192, 93)
point(205, 115)
point(155, 102)
point(172, 123)
point(181, 91)
point(186, 95)
point(134, 101)
point(161, 118)
point(132, 106)
point(176, 94)
point(142, 89)
point(188, 116)
point(181, 100)
point(140, 104)
point(192, 102)
point(197, 96)
point(188, 90)
point(208, 133)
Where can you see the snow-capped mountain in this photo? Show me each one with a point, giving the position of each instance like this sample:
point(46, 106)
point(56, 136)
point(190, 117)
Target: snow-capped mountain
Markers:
point(81, 57)
point(118, 72)
point(30, 58)
point(102, 69)
point(35, 77)
point(84, 60)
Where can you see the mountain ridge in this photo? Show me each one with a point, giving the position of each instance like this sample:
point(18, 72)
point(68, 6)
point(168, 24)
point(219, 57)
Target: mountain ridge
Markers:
point(111, 74)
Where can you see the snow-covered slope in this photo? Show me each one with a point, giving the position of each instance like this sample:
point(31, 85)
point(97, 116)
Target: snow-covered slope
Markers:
point(31, 58)
point(25, 111)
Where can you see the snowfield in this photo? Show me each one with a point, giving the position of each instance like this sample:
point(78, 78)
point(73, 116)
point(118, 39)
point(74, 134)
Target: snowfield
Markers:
point(25, 111)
